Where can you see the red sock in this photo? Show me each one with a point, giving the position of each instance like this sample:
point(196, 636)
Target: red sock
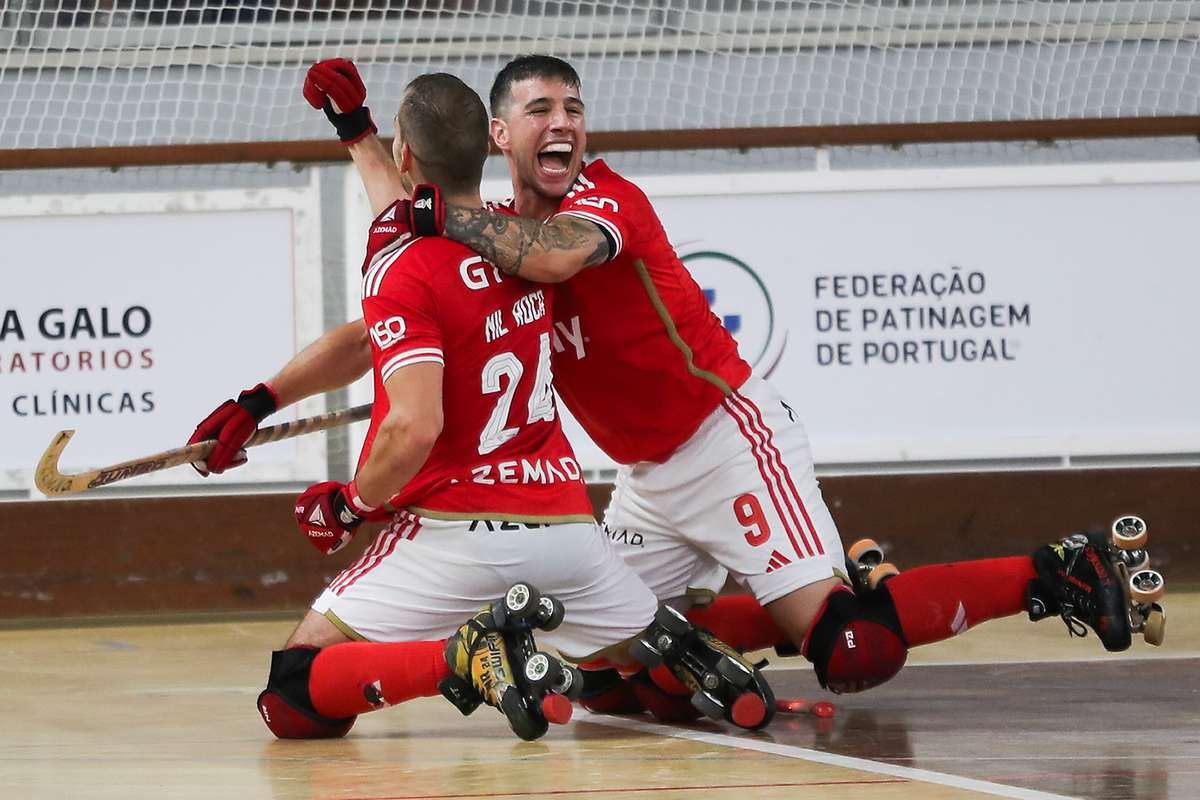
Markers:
point(344, 676)
point(739, 621)
point(660, 693)
point(943, 600)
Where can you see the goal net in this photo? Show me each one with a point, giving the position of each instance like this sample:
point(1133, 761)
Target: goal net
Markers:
point(92, 73)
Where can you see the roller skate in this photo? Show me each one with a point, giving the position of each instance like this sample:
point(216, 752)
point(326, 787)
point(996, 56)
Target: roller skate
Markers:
point(724, 685)
point(1101, 581)
point(493, 659)
point(866, 567)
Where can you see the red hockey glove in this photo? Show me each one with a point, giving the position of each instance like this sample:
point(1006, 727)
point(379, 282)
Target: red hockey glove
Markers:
point(329, 513)
point(232, 424)
point(336, 81)
point(427, 213)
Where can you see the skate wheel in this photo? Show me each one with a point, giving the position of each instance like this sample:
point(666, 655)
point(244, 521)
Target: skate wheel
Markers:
point(542, 671)
point(645, 653)
point(672, 621)
point(883, 571)
point(738, 674)
point(1146, 586)
point(1155, 628)
point(823, 709)
point(866, 552)
point(556, 709)
point(1134, 560)
point(748, 711)
point(570, 685)
point(708, 705)
point(550, 613)
point(521, 602)
point(521, 719)
point(1129, 532)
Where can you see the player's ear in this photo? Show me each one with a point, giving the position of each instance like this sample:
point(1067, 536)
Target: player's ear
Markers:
point(500, 133)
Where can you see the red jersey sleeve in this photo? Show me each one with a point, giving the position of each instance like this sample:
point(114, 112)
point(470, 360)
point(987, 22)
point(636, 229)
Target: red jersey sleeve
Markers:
point(611, 202)
point(401, 314)
point(388, 231)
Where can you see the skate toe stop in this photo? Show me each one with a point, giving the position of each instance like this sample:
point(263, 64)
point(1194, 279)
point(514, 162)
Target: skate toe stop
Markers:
point(748, 711)
point(557, 709)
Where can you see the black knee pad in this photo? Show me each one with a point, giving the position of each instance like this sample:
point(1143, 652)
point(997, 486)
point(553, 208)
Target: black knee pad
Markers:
point(286, 706)
point(856, 642)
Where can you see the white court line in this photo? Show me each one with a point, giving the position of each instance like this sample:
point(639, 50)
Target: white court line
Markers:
point(804, 754)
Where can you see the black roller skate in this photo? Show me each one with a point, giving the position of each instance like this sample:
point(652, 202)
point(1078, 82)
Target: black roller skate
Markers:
point(493, 659)
point(866, 567)
point(1101, 581)
point(724, 685)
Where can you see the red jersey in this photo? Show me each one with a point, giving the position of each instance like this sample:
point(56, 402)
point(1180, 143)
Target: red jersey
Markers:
point(502, 453)
point(639, 357)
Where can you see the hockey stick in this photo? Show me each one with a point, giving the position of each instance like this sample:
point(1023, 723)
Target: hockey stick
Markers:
point(51, 482)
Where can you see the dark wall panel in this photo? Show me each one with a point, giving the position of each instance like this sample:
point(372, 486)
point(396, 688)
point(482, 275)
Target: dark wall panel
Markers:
point(244, 552)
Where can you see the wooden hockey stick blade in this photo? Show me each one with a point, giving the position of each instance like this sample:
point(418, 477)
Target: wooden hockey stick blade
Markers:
point(52, 482)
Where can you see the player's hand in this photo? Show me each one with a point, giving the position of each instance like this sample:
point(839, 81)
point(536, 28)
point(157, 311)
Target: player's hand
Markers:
point(232, 424)
point(328, 515)
point(335, 87)
point(427, 212)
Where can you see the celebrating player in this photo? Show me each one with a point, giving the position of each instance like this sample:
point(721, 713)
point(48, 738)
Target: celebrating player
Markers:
point(465, 441)
point(717, 474)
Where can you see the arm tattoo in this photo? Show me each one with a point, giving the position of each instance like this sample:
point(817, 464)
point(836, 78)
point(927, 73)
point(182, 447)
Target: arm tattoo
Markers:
point(508, 242)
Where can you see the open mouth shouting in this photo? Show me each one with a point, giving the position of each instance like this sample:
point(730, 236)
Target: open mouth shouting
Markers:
point(555, 159)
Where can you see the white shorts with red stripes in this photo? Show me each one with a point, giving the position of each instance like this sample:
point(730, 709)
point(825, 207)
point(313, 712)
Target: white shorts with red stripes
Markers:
point(739, 498)
point(421, 578)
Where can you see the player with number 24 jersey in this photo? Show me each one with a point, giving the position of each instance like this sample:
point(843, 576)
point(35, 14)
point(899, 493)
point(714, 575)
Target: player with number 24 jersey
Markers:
point(502, 452)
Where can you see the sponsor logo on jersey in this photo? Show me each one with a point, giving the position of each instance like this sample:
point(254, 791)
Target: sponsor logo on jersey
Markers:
point(741, 300)
point(479, 274)
point(568, 335)
point(388, 331)
point(623, 536)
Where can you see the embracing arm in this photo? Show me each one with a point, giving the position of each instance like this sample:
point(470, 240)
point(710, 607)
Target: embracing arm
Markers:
point(547, 252)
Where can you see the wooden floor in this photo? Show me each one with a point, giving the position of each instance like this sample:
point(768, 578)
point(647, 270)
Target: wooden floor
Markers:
point(1011, 709)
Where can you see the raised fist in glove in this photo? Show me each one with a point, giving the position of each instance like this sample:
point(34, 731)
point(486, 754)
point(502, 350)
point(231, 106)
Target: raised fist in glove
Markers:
point(329, 513)
point(335, 87)
point(232, 424)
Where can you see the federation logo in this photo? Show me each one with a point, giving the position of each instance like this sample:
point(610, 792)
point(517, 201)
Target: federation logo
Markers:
point(740, 298)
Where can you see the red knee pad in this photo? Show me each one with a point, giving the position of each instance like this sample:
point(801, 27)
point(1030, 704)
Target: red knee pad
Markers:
point(287, 722)
point(856, 642)
point(285, 705)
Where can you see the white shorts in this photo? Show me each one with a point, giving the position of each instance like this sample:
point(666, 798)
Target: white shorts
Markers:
point(740, 498)
point(422, 578)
